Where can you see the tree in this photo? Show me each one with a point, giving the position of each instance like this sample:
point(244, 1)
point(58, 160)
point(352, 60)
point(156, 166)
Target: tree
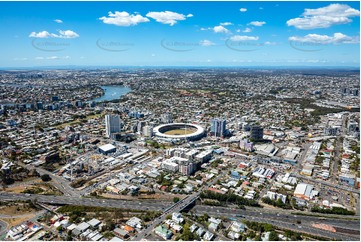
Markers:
point(273, 236)
point(45, 177)
point(176, 199)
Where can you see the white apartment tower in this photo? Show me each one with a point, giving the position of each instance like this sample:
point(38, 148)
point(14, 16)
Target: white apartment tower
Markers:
point(112, 124)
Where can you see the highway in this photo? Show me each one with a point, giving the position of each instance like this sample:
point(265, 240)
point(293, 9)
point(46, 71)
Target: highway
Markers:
point(145, 205)
point(282, 221)
point(281, 218)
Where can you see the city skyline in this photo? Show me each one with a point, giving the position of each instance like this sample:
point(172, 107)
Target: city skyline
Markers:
point(239, 34)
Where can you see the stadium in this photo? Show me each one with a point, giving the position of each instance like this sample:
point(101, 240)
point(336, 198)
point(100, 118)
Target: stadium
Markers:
point(180, 131)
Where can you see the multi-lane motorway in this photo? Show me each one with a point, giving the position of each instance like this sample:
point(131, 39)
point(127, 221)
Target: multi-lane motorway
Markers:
point(280, 218)
point(288, 221)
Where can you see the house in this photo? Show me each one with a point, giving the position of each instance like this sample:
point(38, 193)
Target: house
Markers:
point(94, 223)
point(134, 222)
point(237, 227)
point(121, 233)
point(200, 232)
point(115, 239)
point(80, 228)
point(176, 228)
point(97, 237)
point(193, 228)
point(71, 227)
point(163, 232)
point(208, 236)
point(177, 217)
point(129, 229)
point(213, 227)
point(214, 220)
point(233, 235)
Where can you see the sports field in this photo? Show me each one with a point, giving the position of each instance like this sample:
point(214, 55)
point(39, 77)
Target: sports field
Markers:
point(180, 131)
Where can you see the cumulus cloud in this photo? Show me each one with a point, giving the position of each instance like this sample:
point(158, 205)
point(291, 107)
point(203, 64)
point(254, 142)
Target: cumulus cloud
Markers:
point(243, 38)
point(206, 43)
point(168, 17)
point(123, 19)
point(324, 17)
point(220, 29)
point(64, 34)
point(247, 30)
point(243, 10)
point(257, 23)
point(226, 23)
point(337, 38)
point(59, 21)
point(68, 34)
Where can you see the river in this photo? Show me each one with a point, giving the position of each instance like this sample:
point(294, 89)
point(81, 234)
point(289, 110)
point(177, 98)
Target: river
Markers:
point(112, 92)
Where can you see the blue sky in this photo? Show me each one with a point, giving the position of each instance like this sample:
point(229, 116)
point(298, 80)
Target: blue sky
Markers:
point(179, 34)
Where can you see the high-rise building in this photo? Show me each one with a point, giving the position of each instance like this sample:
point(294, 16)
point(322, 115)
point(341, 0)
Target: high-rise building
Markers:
point(147, 131)
point(256, 133)
point(140, 126)
point(112, 124)
point(245, 144)
point(218, 127)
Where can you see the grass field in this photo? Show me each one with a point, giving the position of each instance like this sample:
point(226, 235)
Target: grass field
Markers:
point(180, 131)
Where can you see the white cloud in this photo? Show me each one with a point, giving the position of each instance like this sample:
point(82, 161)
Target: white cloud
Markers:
point(189, 15)
point(68, 34)
point(42, 34)
point(167, 17)
point(59, 21)
point(203, 29)
point(123, 19)
point(247, 30)
point(243, 38)
point(226, 23)
point(257, 23)
point(63, 34)
point(220, 29)
point(324, 17)
point(52, 57)
point(337, 38)
point(270, 43)
point(206, 43)
point(243, 10)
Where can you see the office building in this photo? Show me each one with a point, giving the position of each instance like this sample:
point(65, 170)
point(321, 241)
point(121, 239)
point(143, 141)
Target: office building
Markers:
point(147, 131)
point(140, 126)
point(218, 127)
point(112, 124)
point(256, 133)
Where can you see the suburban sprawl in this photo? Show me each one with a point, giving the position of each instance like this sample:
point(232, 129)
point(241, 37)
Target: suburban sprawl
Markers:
point(180, 154)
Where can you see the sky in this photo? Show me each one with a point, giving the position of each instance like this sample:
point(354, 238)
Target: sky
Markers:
point(35, 34)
